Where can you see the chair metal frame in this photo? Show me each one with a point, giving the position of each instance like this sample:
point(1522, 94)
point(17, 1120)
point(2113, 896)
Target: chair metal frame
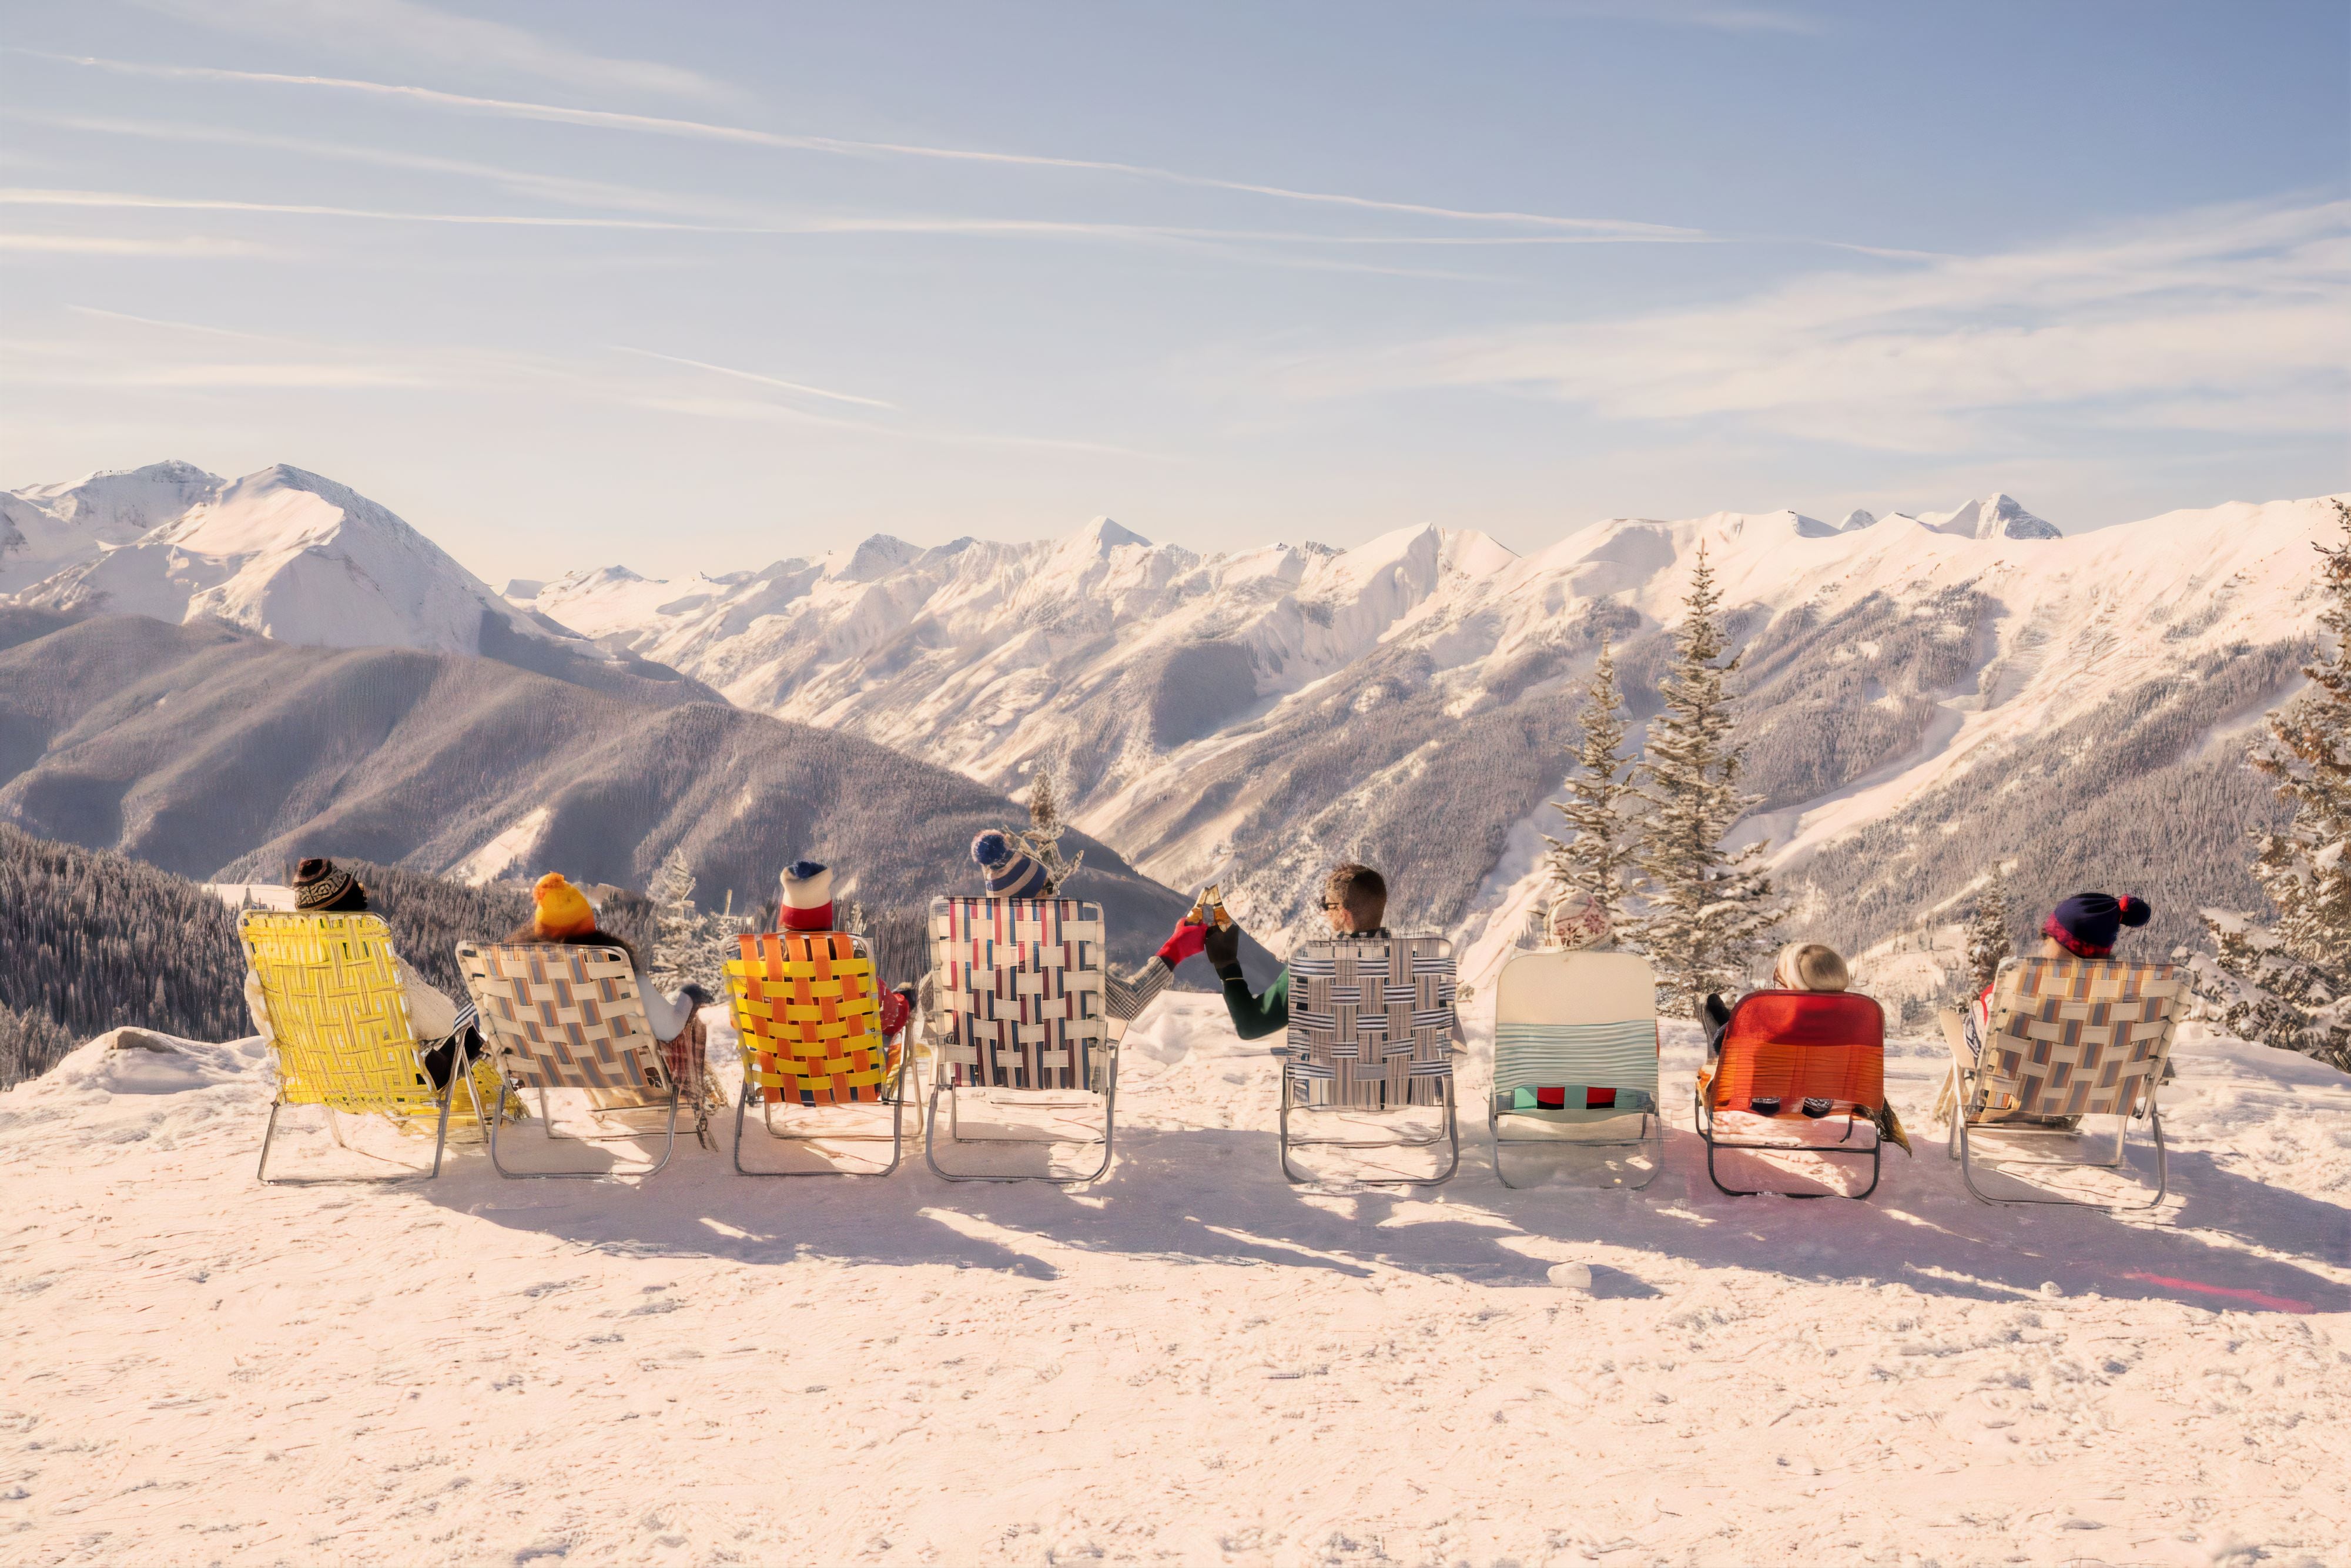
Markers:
point(1104, 1070)
point(1971, 1086)
point(363, 929)
point(1703, 1114)
point(894, 1096)
point(472, 956)
point(1297, 1089)
point(1651, 1133)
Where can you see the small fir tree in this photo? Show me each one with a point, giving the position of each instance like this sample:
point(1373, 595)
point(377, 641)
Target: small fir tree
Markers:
point(1043, 839)
point(1599, 859)
point(689, 946)
point(1988, 932)
point(2288, 985)
point(1709, 913)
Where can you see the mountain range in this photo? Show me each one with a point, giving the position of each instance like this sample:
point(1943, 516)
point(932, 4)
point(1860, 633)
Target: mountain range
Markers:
point(220, 755)
point(1924, 693)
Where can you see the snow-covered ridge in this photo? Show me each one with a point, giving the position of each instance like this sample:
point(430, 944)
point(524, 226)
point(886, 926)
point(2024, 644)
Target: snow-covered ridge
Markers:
point(283, 552)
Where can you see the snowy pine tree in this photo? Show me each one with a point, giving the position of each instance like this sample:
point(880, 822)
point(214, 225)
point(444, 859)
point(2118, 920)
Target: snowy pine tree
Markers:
point(689, 947)
point(1709, 912)
point(1599, 859)
point(1043, 839)
point(2288, 985)
point(1988, 930)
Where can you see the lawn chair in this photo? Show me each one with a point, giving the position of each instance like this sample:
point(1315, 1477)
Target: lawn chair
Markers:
point(2067, 1037)
point(1780, 1049)
point(1016, 1016)
point(1575, 1044)
point(556, 1016)
point(339, 1012)
point(1372, 1028)
point(808, 1009)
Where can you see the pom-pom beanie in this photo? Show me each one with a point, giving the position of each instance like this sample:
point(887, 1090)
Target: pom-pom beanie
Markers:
point(1011, 871)
point(562, 910)
point(808, 898)
point(2087, 923)
point(1576, 921)
point(321, 884)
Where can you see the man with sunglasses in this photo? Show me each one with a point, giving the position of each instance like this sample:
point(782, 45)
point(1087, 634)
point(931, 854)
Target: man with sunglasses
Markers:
point(1355, 900)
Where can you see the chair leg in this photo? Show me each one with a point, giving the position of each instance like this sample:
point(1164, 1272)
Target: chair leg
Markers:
point(1448, 1132)
point(268, 1137)
point(1652, 1136)
point(1875, 1153)
point(2122, 1146)
point(897, 1139)
point(931, 1127)
point(669, 1144)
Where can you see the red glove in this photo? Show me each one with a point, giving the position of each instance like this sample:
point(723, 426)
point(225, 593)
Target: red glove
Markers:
point(895, 1010)
point(1185, 942)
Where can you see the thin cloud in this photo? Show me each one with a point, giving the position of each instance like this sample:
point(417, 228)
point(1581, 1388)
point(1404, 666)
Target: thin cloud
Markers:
point(402, 28)
point(196, 247)
point(849, 147)
point(756, 376)
point(753, 411)
point(2185, 321)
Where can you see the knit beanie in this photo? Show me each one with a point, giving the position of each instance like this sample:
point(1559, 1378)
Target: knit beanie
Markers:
point(1811, 966)
point(1576, 920)
point(2087, 923)
point(1011, 873)
point(808, 898)
point(322, 883)
point(562, 909)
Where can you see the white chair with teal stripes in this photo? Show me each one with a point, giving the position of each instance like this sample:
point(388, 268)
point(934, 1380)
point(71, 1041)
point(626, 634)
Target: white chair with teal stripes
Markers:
point(1575, 1047)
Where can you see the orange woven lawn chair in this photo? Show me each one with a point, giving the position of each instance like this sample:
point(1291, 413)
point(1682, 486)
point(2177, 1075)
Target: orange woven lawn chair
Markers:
point(1805, 1056)
point(808, 1009)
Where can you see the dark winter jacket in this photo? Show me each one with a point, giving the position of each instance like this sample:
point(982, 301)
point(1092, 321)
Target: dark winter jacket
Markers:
point(1256, 1017)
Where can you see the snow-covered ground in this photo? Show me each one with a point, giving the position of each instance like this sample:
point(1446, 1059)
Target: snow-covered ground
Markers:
point(1189, 1362)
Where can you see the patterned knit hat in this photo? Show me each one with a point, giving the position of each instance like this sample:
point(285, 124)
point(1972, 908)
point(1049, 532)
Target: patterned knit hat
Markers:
point(808, 898)
point(321, 884)
point(2087, 923)
point(1575, 921)
point(1011, 871)
point(562, 909)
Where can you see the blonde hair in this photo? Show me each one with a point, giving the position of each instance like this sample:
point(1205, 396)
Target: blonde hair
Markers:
point(1810, 967)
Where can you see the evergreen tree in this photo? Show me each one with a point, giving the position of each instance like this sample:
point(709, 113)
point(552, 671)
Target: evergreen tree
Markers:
point(2288, 985)
point(1043, 839)
point(1988, 931)
point(1599, 859)
point(1709, 913)
point(689, 947)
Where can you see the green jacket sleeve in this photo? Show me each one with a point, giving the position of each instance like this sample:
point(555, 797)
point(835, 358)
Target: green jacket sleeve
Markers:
point(1256, 1017)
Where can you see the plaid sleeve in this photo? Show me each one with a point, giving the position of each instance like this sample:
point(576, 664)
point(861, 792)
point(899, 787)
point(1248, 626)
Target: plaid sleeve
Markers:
point(1124, 999)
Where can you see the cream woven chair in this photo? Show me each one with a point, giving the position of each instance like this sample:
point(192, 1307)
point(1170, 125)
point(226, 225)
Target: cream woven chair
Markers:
point(1017, 1017)
point(1371, 1029)
point(339, 1015)
point(560, 1017)
point(2063, 1038)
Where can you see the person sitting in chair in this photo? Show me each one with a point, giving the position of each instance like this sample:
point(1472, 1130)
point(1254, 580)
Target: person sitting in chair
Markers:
point(1354, 902)
point(322, 887)
point(805, 909)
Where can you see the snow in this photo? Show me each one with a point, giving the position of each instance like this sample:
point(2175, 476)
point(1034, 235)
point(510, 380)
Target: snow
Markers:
point(1188, 1362)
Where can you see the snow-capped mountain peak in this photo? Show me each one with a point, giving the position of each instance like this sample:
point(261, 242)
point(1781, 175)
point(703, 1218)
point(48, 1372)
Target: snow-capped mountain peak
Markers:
point(45, 529)
point(1998, 517)
point(1856, 520)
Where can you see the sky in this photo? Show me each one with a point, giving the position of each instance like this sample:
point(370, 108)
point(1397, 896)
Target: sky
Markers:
point(702, 285)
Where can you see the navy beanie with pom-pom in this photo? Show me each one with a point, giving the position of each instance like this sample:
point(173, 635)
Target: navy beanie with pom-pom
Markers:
point(2087, 923)
point(1011, 871)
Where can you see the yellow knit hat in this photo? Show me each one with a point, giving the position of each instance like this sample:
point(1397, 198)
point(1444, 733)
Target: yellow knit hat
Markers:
point(563, 910)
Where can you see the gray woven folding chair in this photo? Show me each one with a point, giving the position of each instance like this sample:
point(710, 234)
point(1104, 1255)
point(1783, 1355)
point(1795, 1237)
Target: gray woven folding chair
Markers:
point(1016, 1018)
point(1371, 1030)
point(1576, 1045)
point(559, 1017)
point(2063, 1038)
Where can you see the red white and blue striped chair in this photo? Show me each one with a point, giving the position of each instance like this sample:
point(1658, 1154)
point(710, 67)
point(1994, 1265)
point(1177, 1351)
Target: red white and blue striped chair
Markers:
point(1016, 1016)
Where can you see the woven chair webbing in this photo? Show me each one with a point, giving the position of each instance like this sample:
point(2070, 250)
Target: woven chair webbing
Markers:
point(339, 1012)
point(2076, 1037)
point(1020, 984)
point(560, 1017)
point(1371, 1020)
point(808, 1009)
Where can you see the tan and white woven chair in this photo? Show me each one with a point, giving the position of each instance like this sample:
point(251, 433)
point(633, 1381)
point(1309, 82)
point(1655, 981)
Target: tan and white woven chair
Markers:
point(1016, 1016)
point(559, 1017)
point(1372, 1028)
point(2063, 1039)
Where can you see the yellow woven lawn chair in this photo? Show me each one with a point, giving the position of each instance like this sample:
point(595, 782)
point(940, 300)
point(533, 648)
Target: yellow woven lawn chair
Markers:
point(559, 1017)
point(808, 1010)
point(340, 1017)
